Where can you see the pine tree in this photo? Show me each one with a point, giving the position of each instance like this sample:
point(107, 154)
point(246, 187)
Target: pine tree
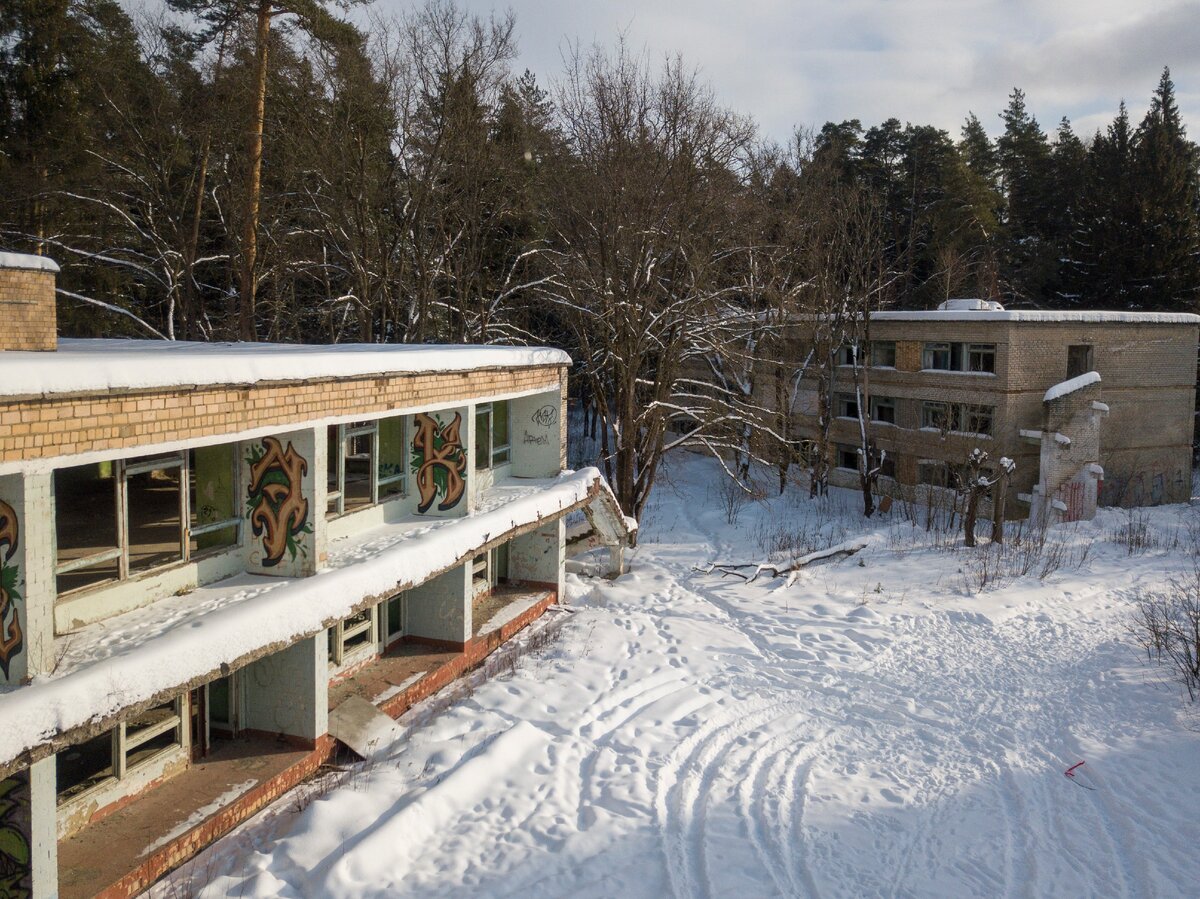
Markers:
point(1069, 188)
point(1164, 166)
point(1030, 256)
point(218, 16)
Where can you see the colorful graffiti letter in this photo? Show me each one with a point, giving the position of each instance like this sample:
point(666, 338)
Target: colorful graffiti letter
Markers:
point(439, 462)
point(278, 509)
point(14, 837)
point(11, 636)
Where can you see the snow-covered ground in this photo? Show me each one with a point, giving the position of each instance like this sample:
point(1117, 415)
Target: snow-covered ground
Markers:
point(879, 728)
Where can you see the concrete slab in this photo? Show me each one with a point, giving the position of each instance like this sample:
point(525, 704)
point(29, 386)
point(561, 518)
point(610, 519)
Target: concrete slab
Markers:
point(358, 724)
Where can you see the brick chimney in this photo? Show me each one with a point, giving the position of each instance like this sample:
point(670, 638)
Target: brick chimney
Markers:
point(27, 311)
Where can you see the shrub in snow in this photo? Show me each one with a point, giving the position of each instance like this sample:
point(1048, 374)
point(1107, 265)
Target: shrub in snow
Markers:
point(1167, 626)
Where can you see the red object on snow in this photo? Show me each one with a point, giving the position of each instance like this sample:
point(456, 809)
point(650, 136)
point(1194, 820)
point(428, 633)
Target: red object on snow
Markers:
point(1070, 772)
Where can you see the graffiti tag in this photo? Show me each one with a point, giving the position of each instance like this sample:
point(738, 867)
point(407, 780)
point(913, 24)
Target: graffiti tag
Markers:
point(277, 507)
point(15, 855)
point(546, 416)
point(540, 440)
point(439, 462)
point(11, 635)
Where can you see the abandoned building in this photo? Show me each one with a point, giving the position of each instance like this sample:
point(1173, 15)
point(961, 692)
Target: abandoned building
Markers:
point(220, 560)
point(1093, 407)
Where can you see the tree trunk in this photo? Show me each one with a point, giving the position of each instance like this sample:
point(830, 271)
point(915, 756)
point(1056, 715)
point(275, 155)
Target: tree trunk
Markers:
point(999, 497)
point(254, 186)
point(970, 515)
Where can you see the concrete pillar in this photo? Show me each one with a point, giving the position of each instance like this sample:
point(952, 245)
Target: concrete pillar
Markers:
point(536, 425)
point(26, 577)
point(280, 475)
point(439, 610)
point(288, 692)
point(28, 810)
point(538, 555)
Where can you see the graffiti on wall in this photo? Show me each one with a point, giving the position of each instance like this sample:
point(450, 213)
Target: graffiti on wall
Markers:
point(275, 502)
point(15, 854)
point(11, 635)
point(439, 461)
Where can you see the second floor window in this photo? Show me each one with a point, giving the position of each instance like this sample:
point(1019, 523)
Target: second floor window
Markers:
point(121, 518)
point(364, 464)
point(492, 444)
point(979, 358)
point(883, 409)
point(846, 406)
point(883, 353)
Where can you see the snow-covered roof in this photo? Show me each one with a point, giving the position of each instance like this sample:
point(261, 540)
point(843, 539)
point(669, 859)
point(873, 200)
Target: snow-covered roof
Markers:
point(1058, 391)
point(98, 365)
point(132, 658)
point(1038, 315)
point(22, 260)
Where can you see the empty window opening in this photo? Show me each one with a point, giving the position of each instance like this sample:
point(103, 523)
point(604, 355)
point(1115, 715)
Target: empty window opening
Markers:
point(365, 463)
point(979, 358)
point(492, 443)
point(124, 517)
point(883, 409)
point(1079, 360)
point(883, 353)
point(846, 405)
point(111, 756)
point(351, 635)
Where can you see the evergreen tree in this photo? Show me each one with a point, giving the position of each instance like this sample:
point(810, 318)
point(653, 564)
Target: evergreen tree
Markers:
point(1164, 167)
point(1068, 191)
point(1030, 255)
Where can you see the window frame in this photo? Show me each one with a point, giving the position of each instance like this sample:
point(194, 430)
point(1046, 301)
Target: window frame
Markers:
point(984, 351)
point(495, 454)
point(123, 470)
point(846, 450)
point(846, 402)
point(887, 402)
point(335, 499)
point(876, 345)
point(1089, 360)
point(339, 654)
point(122, 743)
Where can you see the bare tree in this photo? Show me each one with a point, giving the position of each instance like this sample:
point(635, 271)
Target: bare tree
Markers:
point(640, 229)
point(973, 483)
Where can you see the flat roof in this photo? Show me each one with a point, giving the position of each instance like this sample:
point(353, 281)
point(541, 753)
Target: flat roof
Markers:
point(80, 366)
point(1039, 315)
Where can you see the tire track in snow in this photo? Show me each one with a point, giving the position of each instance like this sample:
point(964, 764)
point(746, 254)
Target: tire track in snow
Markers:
point(686, 780)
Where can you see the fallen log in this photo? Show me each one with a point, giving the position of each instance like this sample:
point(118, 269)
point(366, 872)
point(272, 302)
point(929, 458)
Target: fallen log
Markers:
point(738, 569)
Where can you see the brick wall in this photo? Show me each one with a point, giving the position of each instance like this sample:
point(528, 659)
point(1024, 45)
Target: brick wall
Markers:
point(27, 310)
point(62, 425)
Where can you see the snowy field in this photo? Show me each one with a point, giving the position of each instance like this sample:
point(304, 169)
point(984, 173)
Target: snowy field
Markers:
point(879, 728)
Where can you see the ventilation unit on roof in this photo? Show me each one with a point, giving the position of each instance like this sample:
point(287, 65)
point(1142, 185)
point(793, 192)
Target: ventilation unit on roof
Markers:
point(970, 306)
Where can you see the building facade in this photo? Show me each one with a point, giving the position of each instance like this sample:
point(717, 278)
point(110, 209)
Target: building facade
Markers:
point(213, 556)
point(942, 383)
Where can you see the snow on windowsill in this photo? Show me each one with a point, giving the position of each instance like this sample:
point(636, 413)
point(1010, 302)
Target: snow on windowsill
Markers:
point(956, 371)
point(100, 365)
point(130, 658)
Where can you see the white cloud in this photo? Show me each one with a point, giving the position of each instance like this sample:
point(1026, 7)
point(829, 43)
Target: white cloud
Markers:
point(924, 61)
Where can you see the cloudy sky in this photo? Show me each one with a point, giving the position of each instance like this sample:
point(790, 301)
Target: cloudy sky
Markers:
point(924, 61)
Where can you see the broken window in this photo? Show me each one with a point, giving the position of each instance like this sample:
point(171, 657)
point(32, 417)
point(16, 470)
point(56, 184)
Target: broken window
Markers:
point(365, 463)
point(492, 445)
point(86, 500)
point(938, 356)
point(154, 511)
point(128, 516)
point(977, 419)
point(214, 522)
point(883, 353)
point(1079, 360)
point(393, 623)
point(940, 416)
point(846, 405)
point(489, 569)
point(883, 409)
point(847, 457)
point(112, 755)
point(353, 633)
